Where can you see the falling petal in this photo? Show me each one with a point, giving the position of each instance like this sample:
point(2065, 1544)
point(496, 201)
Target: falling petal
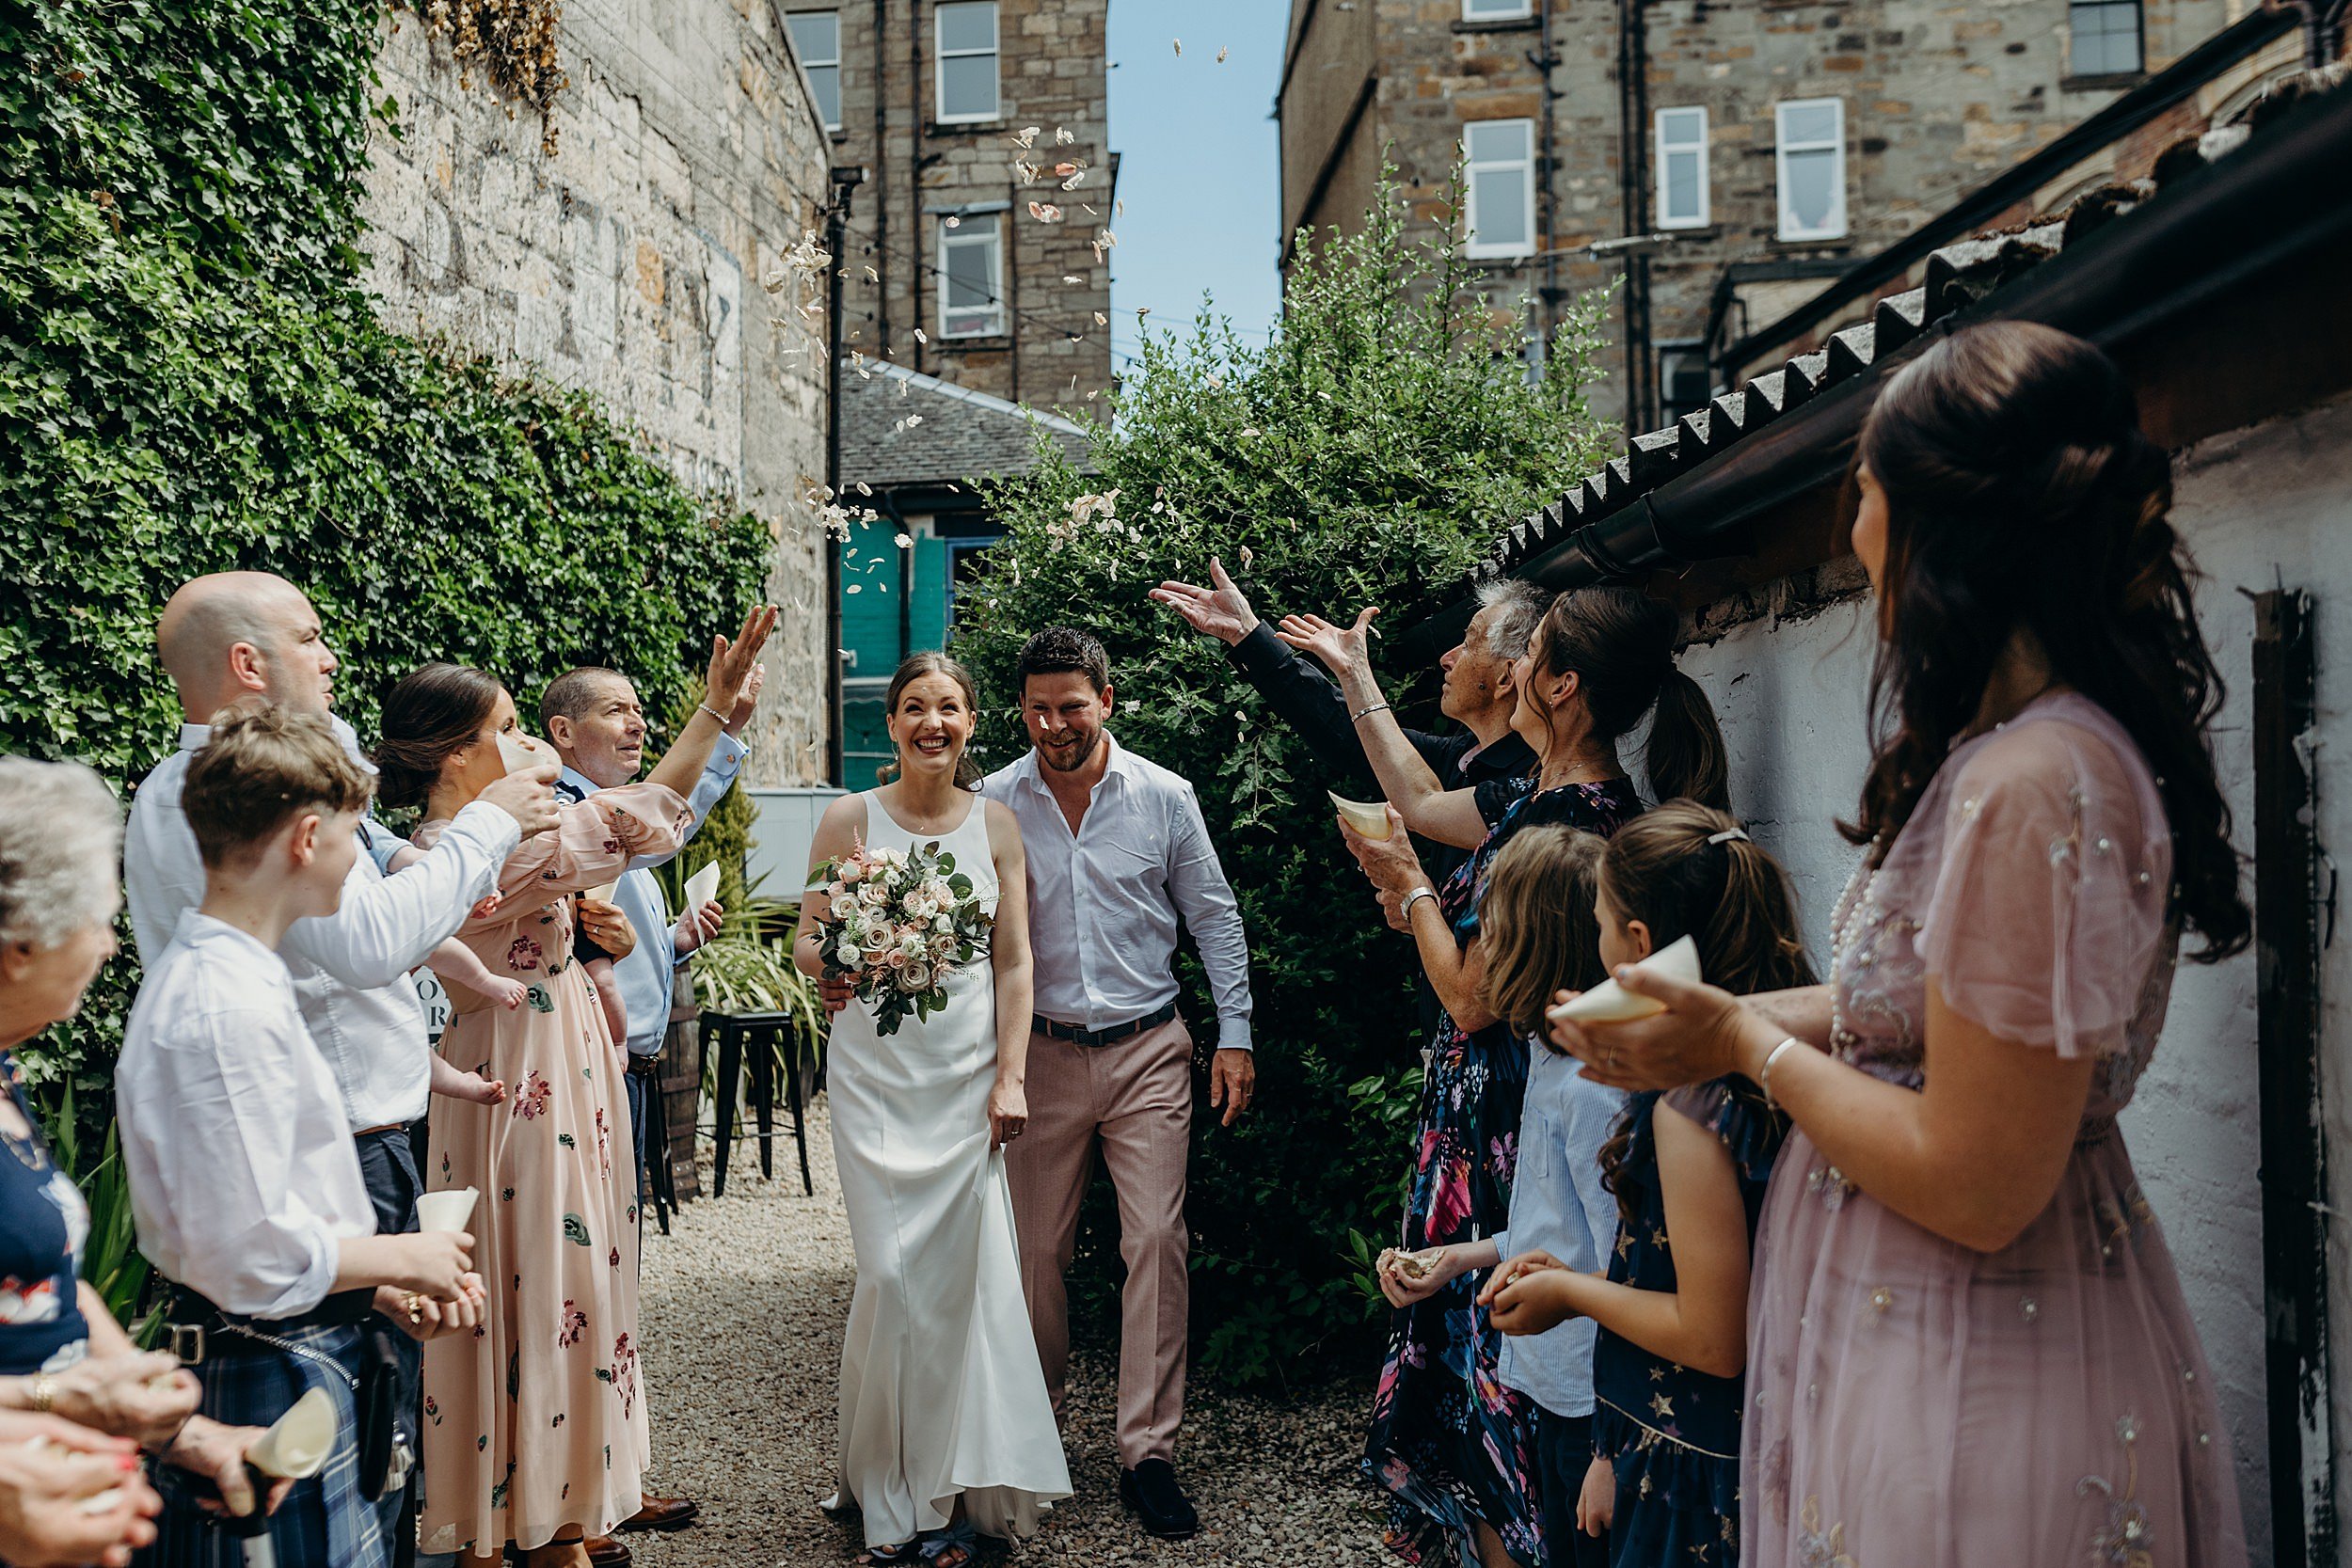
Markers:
point(906, 542)
point(1249, 432)
point(871, 276)
point(1066, 168)
point(1180, 47)
point(918, 336)
point(1062, 137)
point(914, 419)
point(1075, 181)
point(1221, 53)
point(954, 222)
point(854, 587)
point(1247, 555)
point(1071, 277)
point(1101, 320)
point(1045, 212)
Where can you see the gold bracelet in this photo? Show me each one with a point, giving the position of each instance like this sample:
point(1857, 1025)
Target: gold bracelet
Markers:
point(45, 1394)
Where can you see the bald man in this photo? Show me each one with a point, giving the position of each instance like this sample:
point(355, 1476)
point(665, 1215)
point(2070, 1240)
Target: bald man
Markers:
point(229, 636)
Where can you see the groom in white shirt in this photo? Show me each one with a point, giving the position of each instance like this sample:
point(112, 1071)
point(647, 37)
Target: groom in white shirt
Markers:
point(1117, 853)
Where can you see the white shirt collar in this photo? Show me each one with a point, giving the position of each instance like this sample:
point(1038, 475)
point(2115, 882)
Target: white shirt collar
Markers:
point(1032, 770)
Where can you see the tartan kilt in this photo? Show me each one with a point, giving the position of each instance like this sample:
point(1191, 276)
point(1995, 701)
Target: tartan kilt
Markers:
point(324, 1522)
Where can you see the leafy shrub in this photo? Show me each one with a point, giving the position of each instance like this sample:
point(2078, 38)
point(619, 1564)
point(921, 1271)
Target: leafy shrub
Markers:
point(191, 380)
point(1360, 457)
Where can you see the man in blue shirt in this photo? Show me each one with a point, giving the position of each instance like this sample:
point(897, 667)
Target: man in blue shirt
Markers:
point(593, 718)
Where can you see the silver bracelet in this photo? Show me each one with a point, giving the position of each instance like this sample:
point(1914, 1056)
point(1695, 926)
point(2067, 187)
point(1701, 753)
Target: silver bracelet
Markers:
point(714, 713)
point(1764, 1078)
point(1404, 910)
point(1359, 718)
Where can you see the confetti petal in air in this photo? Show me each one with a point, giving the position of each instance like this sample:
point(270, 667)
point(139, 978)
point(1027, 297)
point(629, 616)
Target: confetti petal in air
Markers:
point(1101, 320)
point(1062, 137)
point(1247, 555)
point(1045, 212)
point(1071, 277)
point(1221, 53)
point(1027, 137)
point(1065, 168)
point(871, 276)
point(1180, 48)
point(954, 222)
point(914, 419)
point(918, 336)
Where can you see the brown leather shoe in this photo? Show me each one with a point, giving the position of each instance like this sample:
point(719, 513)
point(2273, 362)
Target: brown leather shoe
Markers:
point(605, 1552)
point(663, 1514)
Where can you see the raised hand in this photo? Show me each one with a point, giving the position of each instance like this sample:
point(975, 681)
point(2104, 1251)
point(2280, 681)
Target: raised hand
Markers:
point(528, 796)
point(1222, 609)
point(732, 662)
point(749, 702)
point(1340, 648)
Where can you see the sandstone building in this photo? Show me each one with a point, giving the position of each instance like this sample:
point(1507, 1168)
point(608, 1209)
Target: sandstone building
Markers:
point(1748, 152)
point(629, 261)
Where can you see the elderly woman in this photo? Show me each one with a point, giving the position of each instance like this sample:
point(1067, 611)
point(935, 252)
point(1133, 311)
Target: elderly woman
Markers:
point(61, 1352)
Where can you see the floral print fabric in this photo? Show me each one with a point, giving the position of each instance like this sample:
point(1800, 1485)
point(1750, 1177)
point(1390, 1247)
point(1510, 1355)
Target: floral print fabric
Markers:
point(1450, 1442)
point(537, 1420)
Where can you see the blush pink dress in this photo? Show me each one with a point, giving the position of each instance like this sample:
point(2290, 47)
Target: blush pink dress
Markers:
point(1915, 1404)
point(537, 1422)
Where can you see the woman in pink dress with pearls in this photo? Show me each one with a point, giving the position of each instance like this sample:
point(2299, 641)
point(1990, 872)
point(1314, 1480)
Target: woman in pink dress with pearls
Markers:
point(1968, 1347)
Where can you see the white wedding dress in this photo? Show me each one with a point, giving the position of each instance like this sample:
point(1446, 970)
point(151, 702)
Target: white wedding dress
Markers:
point(942, 1394)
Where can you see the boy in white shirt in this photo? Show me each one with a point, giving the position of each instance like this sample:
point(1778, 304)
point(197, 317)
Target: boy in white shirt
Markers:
point(245, 1180)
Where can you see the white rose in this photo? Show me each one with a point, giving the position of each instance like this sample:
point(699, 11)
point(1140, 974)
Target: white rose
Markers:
point(944, 923)
point(917, 977)
point(914, 945)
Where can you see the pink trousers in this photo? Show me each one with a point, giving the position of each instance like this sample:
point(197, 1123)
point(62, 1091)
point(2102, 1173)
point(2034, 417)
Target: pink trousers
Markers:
point(1133, 1102)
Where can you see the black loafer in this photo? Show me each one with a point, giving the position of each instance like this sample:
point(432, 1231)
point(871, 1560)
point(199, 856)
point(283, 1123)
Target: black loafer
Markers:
point(1159, 1502)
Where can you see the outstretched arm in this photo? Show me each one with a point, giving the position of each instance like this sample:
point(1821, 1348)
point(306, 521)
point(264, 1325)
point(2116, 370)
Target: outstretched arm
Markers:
point(1430, 809)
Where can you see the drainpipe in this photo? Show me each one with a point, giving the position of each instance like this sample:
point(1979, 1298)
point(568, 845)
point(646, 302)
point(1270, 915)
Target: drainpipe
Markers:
point(1633, 181)
point(837, 228)
point(914, 161)
point(882, 175)
point(1548, 60)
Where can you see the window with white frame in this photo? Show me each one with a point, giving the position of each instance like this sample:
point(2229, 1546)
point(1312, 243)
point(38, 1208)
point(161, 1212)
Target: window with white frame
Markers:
point(967, 61)
point(1682, 202)
point(1497, 10)
point(1809, 157)
point(817, 36)
point(1498, 172)
point(2104, 38)
point(972, 277)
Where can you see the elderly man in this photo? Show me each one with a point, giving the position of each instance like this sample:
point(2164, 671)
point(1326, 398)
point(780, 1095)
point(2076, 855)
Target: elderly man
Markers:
point(228, 635)
point(593, 717)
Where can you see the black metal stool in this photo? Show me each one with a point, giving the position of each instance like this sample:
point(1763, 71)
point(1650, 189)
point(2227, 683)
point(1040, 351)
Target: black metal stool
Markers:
point(767, 1034)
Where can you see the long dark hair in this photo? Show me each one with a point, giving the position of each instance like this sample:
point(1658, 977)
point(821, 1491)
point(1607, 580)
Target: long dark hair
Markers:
point(1686, 869)
point(1620, 644)
point(2022, 495)
point(914, 668)
point(427, 717)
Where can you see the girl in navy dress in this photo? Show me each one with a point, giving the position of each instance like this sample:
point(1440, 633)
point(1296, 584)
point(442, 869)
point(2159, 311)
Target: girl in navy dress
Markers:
point(1689, 1169)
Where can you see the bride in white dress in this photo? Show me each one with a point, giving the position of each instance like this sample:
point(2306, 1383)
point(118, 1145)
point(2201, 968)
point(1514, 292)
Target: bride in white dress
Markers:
point(946, 1426)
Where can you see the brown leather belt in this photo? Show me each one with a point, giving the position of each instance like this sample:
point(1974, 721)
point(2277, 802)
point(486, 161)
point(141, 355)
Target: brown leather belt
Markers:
point(643, 1067)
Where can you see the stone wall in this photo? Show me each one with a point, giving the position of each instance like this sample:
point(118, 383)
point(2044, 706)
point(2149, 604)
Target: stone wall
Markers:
point(1938, 98)
point(628, 264)
point(1053, 75)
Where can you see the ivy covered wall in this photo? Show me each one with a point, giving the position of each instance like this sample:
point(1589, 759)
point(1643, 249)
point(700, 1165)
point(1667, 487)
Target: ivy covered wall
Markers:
point(191, 379)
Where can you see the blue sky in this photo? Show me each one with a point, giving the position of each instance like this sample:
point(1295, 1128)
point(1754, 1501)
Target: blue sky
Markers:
point(1198, 170)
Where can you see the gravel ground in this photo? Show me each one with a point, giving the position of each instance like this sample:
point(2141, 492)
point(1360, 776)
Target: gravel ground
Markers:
point(743, 1308)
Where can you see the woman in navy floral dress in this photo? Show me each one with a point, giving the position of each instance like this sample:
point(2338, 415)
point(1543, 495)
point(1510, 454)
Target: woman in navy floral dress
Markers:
point(1450, 1443)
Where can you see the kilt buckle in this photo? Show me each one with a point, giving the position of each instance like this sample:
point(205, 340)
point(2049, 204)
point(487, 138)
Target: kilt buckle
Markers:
point(187, 1343)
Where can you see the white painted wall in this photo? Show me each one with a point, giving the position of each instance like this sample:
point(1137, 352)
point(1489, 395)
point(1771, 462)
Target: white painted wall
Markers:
point(2257, 507)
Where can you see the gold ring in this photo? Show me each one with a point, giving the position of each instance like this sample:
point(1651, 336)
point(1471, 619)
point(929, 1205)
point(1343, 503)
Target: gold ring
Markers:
point(415, 1307)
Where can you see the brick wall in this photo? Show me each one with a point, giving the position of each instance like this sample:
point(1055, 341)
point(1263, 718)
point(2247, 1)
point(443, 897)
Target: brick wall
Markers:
point(1052, 74)
point(628, 264)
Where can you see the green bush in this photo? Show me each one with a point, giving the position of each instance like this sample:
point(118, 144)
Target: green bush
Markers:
point(192, 380)
point(1362, 456)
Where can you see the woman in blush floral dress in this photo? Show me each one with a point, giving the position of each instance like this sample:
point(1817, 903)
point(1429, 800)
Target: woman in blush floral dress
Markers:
point(1450, 1443)
point(1967, 1342)
point(535, 1429)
